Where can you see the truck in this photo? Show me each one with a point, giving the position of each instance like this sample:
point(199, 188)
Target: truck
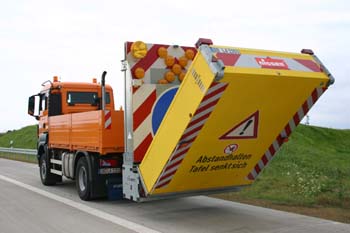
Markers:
point(196, 120)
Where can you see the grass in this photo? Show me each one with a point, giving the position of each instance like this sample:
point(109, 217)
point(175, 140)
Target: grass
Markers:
point(22, 138)
point(309, 175)
point(312, 170)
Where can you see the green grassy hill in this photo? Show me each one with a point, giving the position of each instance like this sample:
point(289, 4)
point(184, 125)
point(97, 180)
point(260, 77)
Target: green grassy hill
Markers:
point(312, 170)
point(22, 138)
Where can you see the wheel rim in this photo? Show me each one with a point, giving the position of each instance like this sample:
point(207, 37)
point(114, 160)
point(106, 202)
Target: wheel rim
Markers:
point(43, 169)
point(82, 178)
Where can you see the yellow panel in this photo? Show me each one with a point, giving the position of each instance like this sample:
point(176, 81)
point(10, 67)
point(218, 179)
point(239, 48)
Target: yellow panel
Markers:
point(276, 100)
point(254, 108)
point(185, 102)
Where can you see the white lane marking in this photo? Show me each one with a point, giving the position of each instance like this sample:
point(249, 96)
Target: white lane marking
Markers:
point(89, 210)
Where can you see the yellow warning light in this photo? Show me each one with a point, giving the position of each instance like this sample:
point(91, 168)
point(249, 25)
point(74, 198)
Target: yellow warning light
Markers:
point(55, 78)
point(162, 52)
point(169, 76)
point(169, 61)
point(94, 80)
point(182, 76)
point(176, 69)
point(189, 54)
point(183, 61)
point(139, 73)
point(162, 81)
point(139, 49)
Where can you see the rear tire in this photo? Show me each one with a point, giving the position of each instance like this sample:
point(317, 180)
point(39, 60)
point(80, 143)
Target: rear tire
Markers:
point(82, 182)
point(47, 178)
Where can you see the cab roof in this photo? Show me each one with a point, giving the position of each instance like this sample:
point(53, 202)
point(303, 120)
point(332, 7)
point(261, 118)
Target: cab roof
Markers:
point(75, 85)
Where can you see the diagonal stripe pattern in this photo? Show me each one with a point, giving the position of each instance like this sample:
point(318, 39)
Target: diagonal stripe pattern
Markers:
point(197, 122)
point(108, 119)
point(288, 129)
point(144, 98)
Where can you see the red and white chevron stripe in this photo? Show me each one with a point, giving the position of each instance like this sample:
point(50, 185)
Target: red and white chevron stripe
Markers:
point(144, 98)
point(108, 119)
point(197, 122)
point(288, 129)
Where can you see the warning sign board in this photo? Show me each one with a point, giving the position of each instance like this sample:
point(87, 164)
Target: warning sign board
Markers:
point(248, 128)
point(230, 129)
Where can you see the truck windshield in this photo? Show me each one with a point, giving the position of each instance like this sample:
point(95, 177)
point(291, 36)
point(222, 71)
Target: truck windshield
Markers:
point(74, 97)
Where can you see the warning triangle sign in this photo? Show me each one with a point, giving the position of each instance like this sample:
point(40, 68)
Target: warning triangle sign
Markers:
point(248, 128)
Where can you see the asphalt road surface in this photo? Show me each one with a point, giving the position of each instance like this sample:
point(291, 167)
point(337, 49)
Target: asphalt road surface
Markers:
point(28, 206)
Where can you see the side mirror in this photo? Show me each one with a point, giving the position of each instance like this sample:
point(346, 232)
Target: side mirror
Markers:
point(32, 106)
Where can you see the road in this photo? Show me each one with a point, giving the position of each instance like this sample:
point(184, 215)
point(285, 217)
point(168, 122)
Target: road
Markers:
point(27, 206)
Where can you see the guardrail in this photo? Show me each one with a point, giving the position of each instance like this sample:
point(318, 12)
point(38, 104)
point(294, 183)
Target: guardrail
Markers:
point(18, 151)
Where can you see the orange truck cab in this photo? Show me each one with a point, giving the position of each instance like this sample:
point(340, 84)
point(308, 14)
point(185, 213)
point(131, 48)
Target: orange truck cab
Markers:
point(77, 133)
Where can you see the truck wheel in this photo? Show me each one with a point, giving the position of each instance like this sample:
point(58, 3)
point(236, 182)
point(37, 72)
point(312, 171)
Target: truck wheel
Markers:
point(82, 179)
point(47, 178)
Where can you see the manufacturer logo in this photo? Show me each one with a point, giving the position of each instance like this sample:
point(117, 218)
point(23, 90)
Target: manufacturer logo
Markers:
point(271, 63)
point(198, 80)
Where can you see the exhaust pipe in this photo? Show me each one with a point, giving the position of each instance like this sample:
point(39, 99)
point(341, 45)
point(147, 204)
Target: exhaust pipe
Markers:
point(103, 90)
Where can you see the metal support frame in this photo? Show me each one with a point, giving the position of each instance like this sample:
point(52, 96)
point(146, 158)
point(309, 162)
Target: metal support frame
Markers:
point(131, 177)
point(128, 115)
point(216, 65)
point(131, 183)
point(323, 67)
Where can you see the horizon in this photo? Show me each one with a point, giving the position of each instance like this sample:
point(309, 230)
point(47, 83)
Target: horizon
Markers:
point(302, 123)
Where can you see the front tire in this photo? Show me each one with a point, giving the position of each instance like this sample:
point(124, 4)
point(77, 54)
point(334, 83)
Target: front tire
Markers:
point(82, 182)
point(47, 178)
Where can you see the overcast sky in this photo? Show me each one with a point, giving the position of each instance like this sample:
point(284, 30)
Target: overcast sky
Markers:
point(77, 40)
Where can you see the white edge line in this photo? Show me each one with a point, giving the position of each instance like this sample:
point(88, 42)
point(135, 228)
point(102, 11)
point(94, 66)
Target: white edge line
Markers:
point(89, 210)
